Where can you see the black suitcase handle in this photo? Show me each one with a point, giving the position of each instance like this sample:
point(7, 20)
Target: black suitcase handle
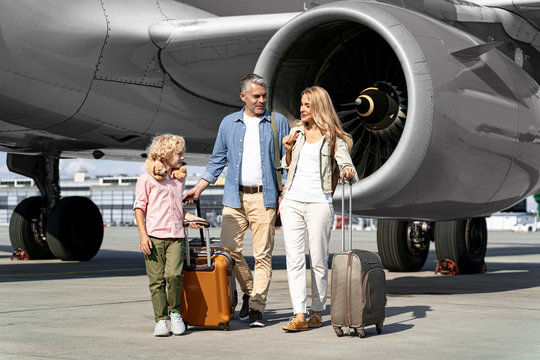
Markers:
point(197, 203)
point(188, 252)
point(205, 224)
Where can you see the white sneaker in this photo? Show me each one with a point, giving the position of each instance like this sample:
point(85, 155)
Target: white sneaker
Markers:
point(161, 328)
point(177, 325)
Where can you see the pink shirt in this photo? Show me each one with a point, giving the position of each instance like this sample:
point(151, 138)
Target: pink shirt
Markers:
point(161, 201)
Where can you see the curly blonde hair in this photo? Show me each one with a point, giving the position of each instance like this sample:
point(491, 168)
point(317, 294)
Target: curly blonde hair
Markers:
point(163, 146)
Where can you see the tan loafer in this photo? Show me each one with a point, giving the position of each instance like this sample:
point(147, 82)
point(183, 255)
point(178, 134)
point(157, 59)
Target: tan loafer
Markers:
point(315, 320)
point(295, 325)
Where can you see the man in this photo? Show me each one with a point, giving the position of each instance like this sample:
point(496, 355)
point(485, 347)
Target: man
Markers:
point(245, 142)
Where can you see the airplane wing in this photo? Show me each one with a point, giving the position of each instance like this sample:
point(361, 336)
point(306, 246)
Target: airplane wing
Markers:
point(204, 56)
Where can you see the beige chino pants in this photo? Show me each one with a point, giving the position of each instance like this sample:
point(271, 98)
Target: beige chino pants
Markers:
point(261, 220)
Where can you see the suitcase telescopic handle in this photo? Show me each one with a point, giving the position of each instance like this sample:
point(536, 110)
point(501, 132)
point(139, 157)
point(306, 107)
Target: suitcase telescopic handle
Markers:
point(343, 181)
point(187, 257)
point(198, 207)
point(208, 249)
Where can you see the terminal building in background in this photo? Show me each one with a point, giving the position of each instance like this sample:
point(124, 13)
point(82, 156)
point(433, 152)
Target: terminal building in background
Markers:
point(115, 195)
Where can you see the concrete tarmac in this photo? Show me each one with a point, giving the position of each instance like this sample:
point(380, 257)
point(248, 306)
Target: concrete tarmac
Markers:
point(101, 309)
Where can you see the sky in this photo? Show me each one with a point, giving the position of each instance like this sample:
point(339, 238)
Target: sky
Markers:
point(68, 168)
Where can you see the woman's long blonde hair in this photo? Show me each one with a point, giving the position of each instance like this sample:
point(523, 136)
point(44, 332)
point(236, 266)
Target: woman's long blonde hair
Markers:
point(325, 116)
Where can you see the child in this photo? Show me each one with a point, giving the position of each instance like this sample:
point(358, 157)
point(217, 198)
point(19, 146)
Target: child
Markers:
point(159, 215)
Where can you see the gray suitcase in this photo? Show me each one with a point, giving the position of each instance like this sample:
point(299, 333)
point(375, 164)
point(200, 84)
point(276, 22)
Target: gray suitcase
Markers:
point(358, 286)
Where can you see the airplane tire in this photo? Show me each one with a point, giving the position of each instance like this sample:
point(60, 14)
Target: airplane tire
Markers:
point(394, 250)
point(464, 242)
point(75, 229)
point(20, 229)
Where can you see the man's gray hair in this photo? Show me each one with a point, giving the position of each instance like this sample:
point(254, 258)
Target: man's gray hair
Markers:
point(251, 78)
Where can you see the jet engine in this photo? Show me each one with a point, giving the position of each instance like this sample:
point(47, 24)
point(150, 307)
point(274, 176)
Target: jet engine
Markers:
point(445, 124)
point(462, 142)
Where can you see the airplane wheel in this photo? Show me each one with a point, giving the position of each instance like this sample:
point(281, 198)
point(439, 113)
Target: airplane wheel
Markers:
point(396, 247)
point(75, 229)
point(20, 229)
point(464, 242)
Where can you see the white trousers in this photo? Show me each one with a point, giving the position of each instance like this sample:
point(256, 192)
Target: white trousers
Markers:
point(315, 220)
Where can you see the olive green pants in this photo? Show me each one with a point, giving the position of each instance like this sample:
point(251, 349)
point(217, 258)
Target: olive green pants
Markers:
point(164, 269)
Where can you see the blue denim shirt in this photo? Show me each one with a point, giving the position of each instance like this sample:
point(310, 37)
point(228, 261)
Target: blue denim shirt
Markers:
point(229, 148)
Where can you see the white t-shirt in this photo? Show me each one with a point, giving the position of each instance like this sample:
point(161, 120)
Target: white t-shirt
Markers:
point(251, 171)
point(306, 185)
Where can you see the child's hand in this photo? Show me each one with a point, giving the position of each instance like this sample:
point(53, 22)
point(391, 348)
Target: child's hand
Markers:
point(195, 225)
point(145, 245)
point(190, 218)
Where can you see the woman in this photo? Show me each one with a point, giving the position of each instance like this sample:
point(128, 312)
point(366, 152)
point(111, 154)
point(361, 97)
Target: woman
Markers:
point(311, 148)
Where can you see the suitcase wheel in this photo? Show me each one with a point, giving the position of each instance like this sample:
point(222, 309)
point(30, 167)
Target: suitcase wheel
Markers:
point(359, 332)
point(226, 326)
point(338, 330)
point(379, 327)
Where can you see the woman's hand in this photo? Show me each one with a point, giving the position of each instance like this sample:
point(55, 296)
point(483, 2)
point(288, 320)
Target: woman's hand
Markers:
point(348, 173)
point(288, 142)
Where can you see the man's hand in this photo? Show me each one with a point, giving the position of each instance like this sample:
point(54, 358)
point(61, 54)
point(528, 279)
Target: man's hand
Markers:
point(145, 245)
point(278, 204)
point(195, 192)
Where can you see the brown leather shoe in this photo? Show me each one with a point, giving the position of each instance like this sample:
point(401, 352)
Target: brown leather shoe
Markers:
point(315, 320)
point(295, 325)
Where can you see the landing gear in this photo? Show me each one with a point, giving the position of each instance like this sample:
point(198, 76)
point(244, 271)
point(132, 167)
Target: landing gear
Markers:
point(464, 242)
point(23, 229)
point(46, 227)
point(403, 246)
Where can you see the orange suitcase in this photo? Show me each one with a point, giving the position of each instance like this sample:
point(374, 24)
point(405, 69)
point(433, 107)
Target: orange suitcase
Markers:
point(207, 291)
point(208, 286)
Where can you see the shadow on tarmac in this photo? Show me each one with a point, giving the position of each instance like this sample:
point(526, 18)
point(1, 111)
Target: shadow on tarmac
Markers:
point(280, 316)
point(107, 263)
point(6, 248)
point(501, 276)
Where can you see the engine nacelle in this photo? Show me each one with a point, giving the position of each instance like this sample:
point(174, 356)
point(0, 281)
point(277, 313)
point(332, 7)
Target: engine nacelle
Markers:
point(465, 141)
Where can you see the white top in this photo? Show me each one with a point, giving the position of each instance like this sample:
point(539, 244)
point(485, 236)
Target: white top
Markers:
point(251, 171)
point(306, 186)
